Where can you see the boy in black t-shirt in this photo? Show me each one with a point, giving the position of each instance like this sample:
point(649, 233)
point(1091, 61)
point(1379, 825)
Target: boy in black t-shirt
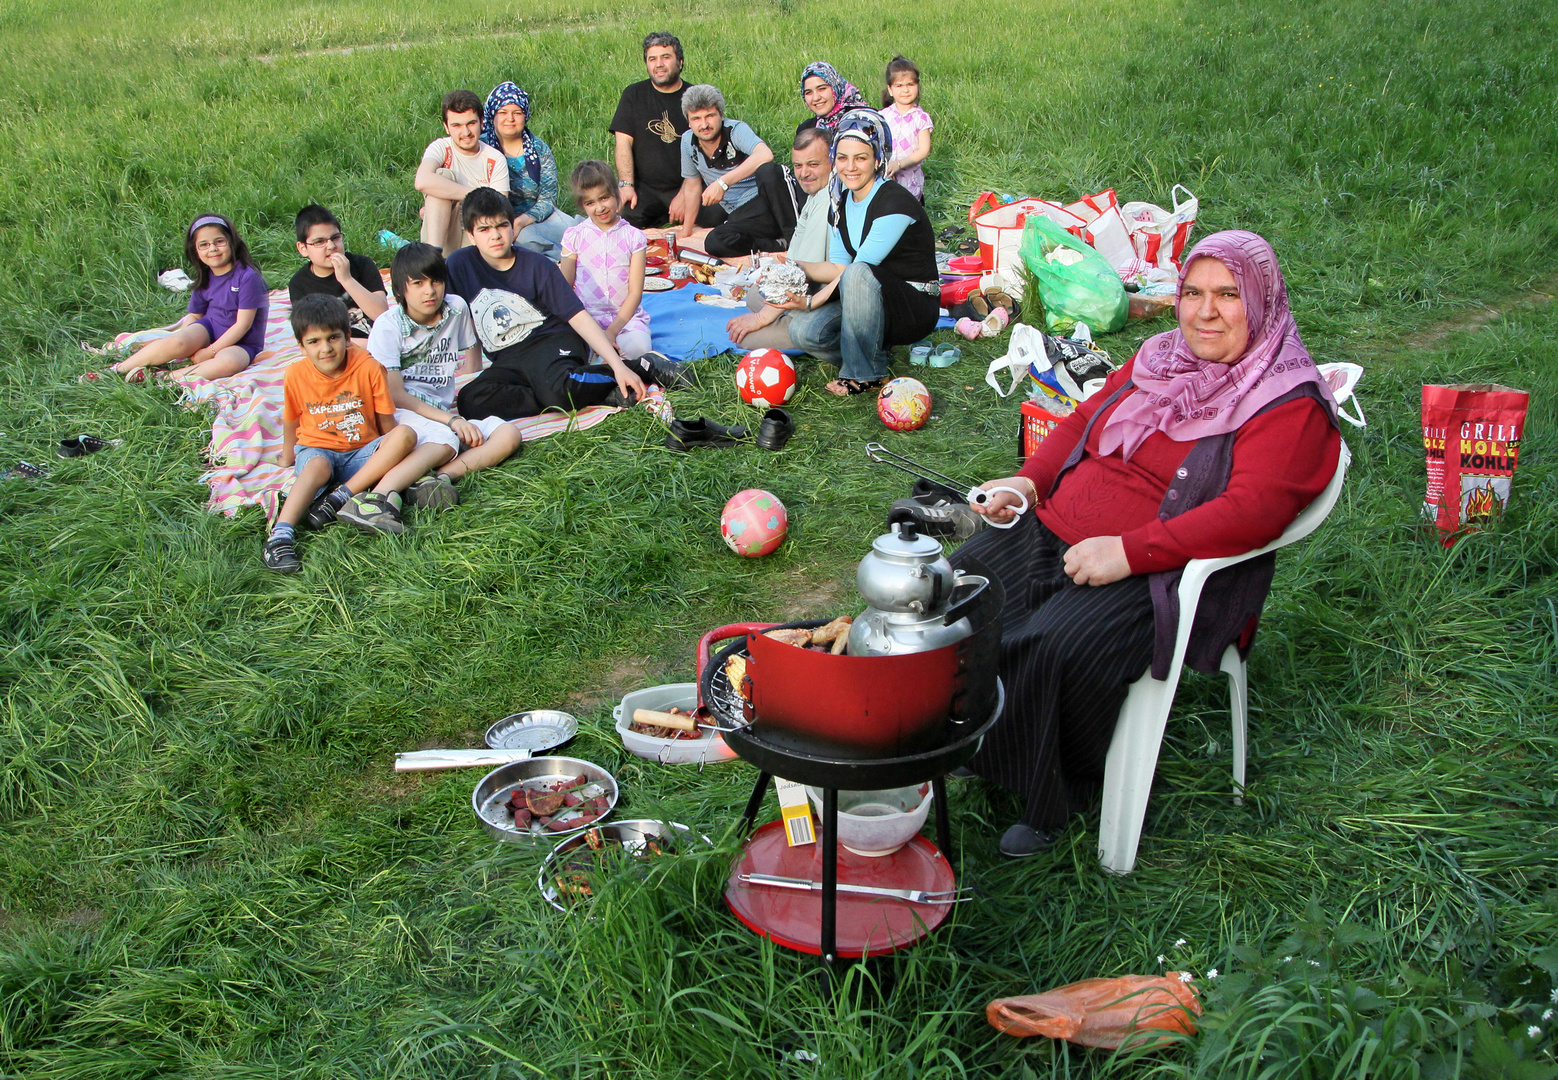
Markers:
point(333, 271)
point(533, 328)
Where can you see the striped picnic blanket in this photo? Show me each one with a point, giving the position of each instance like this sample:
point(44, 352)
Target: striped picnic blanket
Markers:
point(246, 427)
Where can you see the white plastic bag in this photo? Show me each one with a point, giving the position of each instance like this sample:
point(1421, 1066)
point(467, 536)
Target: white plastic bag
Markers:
point(1158, 235)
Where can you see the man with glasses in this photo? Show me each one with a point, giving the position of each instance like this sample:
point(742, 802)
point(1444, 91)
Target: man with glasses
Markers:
point(333, 271)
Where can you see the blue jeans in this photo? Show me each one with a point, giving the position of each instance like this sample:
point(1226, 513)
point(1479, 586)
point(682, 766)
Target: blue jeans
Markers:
point(847, 332)
point(344, 464)
point(546, 237)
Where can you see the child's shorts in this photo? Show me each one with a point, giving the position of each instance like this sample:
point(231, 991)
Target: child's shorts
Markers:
point(343, 463)
point(436, 434)
point(205, 321)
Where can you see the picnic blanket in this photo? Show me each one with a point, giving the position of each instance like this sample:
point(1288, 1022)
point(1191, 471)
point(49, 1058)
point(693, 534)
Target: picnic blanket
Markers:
point(684, 329)
point(246, 428)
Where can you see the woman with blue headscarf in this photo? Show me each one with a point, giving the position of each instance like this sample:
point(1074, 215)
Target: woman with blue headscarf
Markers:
point(532, 171)
point(882, 286)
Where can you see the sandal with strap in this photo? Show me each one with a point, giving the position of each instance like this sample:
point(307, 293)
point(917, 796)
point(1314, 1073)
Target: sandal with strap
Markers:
point(852, 387)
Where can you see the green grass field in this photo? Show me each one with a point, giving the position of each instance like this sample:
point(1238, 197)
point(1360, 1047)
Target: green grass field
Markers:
point(208, 869)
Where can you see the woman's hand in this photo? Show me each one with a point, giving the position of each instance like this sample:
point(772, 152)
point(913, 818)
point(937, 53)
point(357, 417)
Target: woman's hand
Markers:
point(1002, 505)
point(202, 355)
point(892, 168)
point(1098, 560)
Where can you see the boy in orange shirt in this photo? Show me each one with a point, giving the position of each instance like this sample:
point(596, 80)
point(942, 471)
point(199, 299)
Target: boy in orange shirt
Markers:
point(338, 429)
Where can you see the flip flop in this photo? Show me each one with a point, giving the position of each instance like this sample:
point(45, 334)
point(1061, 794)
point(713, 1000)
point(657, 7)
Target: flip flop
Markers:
point(919, 354)
point(946, 355)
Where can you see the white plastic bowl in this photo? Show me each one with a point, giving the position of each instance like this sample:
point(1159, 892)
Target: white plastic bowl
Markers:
point(878, 823)
point(684, 696)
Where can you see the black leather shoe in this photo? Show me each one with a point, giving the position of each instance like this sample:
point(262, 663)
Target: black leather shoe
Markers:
point(775, 430)
point(691, 434)
point(1021, 841)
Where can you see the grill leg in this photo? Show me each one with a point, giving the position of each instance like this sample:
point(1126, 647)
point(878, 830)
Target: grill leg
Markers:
point(938, 788)
point(755, 803)
point(830, 876)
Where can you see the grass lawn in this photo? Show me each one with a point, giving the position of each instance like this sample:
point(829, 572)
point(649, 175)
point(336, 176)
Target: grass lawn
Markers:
point(207, 867)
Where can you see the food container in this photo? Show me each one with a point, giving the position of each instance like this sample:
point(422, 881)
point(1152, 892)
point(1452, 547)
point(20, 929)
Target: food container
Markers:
point(487, 801)
point(680, 271)
point(634, 837)
point(709, 748)
point(878, 823)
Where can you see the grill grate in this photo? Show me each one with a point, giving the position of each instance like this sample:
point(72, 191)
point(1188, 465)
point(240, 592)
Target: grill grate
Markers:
point(723, 699)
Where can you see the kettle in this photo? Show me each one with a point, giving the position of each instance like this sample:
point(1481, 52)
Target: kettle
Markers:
point(918, 601)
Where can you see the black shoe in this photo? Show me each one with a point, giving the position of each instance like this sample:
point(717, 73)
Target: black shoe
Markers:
point(937, 511)
point(322, 512)
point(666, 373)
point(82, 445)
point(1022, 841)
point(775, 430)
point(690, 434)
point(930, 492)
point(618, 400)
point(281, 554)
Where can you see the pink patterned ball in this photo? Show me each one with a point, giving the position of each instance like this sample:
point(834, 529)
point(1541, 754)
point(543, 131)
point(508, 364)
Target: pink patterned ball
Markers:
point(753, 522)
point(904, 404)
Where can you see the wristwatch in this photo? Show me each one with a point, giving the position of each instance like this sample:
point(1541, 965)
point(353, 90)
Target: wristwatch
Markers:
point(625, 183)
point(724, 187)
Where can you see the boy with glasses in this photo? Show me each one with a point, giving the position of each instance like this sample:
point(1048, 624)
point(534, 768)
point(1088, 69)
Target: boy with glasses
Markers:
point(331, 270)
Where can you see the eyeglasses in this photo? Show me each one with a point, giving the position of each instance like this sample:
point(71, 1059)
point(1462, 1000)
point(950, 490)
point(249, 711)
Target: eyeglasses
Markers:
point(211, 245)
point(320, 242)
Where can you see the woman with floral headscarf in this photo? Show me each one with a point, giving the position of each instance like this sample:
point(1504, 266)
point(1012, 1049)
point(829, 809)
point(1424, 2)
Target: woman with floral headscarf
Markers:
point(505, 127)
point(828, 95)
point(1207, 444)
point(881, 287)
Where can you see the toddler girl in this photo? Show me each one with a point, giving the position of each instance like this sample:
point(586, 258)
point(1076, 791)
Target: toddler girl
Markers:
point(910, 125)
point(603, 259)
point(225, 327)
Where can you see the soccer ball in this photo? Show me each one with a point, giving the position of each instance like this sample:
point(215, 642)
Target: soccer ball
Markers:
point(765, 378)
point(904, 404)
point(753, 522)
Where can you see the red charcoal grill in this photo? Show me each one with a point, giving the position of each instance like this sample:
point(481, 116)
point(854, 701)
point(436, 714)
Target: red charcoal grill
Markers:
point(797, 754)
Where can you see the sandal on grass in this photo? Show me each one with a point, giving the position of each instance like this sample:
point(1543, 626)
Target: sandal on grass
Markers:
point(842, 387)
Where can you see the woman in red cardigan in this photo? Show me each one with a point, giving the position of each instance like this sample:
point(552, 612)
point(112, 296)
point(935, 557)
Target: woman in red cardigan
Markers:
point(1208, 443)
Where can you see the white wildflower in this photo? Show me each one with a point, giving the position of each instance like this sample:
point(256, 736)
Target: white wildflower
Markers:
point(1162, 960)
point(1314, 963)
point(1287, 959)
point(1184, 976)
point(1548, 1015)
point(1554, 997)
point(1181, 942)
point(1212, 974)
point(1533, 1032)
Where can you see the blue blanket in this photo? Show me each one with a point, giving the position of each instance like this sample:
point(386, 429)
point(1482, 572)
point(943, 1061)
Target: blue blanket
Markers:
point(684, 329)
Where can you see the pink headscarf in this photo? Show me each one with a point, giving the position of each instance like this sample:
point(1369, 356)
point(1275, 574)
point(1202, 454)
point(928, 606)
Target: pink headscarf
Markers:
point(1187, 398)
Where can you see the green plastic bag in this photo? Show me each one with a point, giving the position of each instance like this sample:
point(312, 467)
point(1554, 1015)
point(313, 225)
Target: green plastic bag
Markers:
point(1087, 290)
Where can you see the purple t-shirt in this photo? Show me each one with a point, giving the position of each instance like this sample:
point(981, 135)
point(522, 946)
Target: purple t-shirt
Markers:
point(241, 287)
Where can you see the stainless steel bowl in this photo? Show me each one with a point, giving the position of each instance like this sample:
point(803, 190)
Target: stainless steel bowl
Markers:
point(630, 834)
point(494, 790)
point(536, 730)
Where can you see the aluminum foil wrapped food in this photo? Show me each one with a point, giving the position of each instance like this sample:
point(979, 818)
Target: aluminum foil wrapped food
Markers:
point(782, 282)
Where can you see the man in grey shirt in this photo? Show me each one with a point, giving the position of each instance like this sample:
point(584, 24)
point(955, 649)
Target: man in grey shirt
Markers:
point(719, 158)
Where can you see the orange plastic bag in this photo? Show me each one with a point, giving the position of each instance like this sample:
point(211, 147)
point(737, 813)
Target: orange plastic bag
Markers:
point(1102, 1012)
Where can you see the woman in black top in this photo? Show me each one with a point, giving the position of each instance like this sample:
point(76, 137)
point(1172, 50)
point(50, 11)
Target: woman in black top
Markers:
point(881, 284)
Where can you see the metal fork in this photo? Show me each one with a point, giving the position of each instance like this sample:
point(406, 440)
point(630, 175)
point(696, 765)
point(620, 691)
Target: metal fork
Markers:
point(914, 896)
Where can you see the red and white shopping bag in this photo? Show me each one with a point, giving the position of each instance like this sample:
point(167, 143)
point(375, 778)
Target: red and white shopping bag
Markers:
point(1158, 235)
point(1105, 229)
point(999, 228)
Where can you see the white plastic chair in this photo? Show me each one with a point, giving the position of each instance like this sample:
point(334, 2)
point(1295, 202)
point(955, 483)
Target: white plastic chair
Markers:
point(1133, 754)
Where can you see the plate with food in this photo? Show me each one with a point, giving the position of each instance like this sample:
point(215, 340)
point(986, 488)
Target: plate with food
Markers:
point(544, 797)
point(658, 284)
point(677, 739)
point(575, 870)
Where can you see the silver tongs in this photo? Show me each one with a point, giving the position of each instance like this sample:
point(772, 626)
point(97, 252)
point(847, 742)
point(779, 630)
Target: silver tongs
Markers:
point(914, 896)
point(972, 492)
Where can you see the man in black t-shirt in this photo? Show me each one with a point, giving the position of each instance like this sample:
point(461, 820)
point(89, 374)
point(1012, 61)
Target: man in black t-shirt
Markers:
point(331, 270)
point(648, 128)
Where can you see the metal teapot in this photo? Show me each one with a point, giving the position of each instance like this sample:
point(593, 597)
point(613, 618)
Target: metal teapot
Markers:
point(917, 599)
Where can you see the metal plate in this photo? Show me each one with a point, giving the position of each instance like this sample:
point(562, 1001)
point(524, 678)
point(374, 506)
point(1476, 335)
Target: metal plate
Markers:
point(493, 791)
point(536, 730)
point(632, 835)
point(658, 284)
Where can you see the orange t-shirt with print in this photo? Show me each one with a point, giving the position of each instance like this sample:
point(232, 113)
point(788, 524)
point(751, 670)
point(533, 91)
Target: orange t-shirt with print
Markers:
point(339, 413)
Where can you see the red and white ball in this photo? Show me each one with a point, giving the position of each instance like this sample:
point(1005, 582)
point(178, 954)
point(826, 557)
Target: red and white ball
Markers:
point(904, 404)
point(753, 522)
point(766, 377)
